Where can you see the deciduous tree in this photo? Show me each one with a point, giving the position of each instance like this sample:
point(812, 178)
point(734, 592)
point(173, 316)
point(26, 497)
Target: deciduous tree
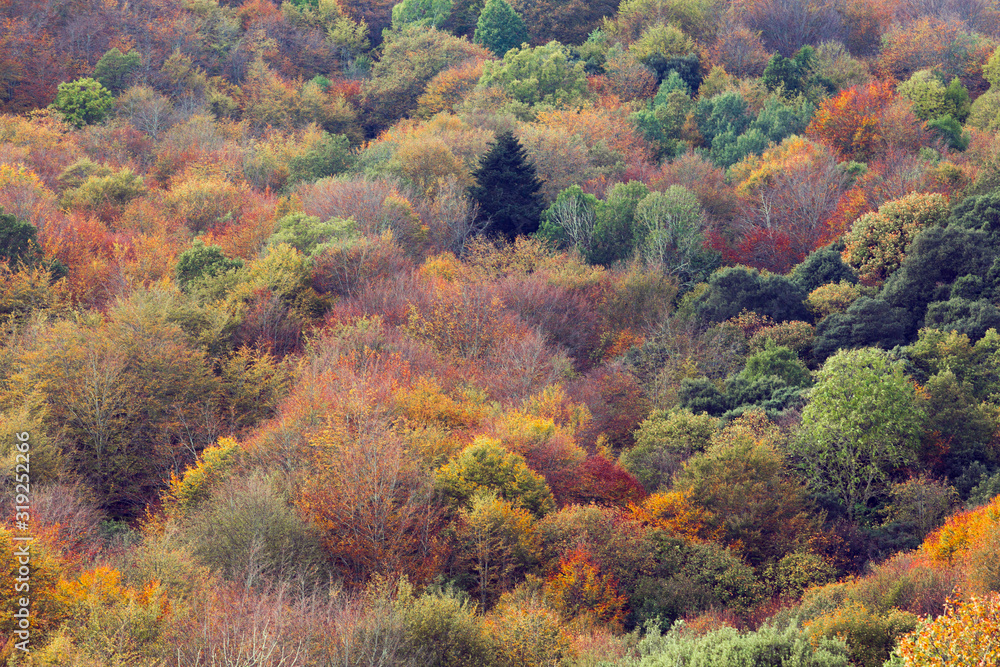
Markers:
point(862, 424)
point(500, 28)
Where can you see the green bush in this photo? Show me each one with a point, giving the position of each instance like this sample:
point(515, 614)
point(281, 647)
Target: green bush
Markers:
point(442, 629)
point(202, 261)
point(766, 647)
point(871, 636)
point(247, 532)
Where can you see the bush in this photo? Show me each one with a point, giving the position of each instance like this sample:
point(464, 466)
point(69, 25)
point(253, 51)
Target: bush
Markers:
point(766, 647)
point(247, 532)
point(966, 635)
point(870, 636)
point(443, 629)
point(526, 632)
point(486, 466)
point(202, 261)
point(663, 441)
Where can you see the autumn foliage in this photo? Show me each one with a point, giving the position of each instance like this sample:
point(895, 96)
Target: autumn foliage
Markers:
point(303, 388)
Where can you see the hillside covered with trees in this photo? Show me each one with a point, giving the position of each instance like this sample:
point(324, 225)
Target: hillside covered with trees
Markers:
point(500, 333)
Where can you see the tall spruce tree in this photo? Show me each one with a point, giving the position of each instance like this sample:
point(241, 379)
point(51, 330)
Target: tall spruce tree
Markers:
point(507, 189)
point(500, 28)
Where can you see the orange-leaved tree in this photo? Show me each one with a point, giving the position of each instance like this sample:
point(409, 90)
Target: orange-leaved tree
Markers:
point(861, 122)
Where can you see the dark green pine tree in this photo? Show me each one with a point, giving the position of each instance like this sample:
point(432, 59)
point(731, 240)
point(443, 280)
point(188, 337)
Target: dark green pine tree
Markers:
point(507, 189)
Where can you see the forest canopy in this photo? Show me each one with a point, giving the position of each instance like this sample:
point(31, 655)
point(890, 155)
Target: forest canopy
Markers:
point(516, 332)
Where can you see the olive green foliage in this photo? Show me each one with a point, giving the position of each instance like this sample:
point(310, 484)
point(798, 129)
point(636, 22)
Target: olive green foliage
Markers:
point(329, 156)
point(660, 43)
point(308, 235)
point(18, 242)
point(743, 481)
point(919, 505)
point(105, 190)
point(247, 532)
point(441, 628)
point(663, 441)
point(615, 237)
point(83, 102)
point(862, 424)
point(202, 261)
point(487, 466)
point(541, 75)
point(991, 69)
point(427, 13)
point(964, 423)
point(777, 361)
point(870, 636)
point(688, 577)
point(500, 28)
point(939, 353)
point(765, 647)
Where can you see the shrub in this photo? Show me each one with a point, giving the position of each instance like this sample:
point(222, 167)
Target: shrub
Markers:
point(967, 634)
point(766, 647)
point(870, 636)
point(249, 533)
point(526, 632)
point(442, 629)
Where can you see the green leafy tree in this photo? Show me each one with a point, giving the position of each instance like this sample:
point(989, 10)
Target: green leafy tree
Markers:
point(538, 75)
point(671, 225)
point(114, 69)
point(201, 261)
point(485, 466)
point(83, 102)
point(500, 28)
point(796, 74)
point(569, 221)
point(662, 122)
point(663, 441)
point(862, 424)
point(614, 230)
point(822, 267)
point(932, 99)
point(736, 288)
point(427, 13)
point(329, 156)
point(507, 189)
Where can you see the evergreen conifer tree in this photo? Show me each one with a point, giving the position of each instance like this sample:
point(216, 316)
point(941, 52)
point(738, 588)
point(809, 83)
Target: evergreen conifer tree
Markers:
point(500, 28)
point(507, 189)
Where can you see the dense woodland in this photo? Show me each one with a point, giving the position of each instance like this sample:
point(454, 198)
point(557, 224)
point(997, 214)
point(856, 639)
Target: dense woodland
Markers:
point(540, 332)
